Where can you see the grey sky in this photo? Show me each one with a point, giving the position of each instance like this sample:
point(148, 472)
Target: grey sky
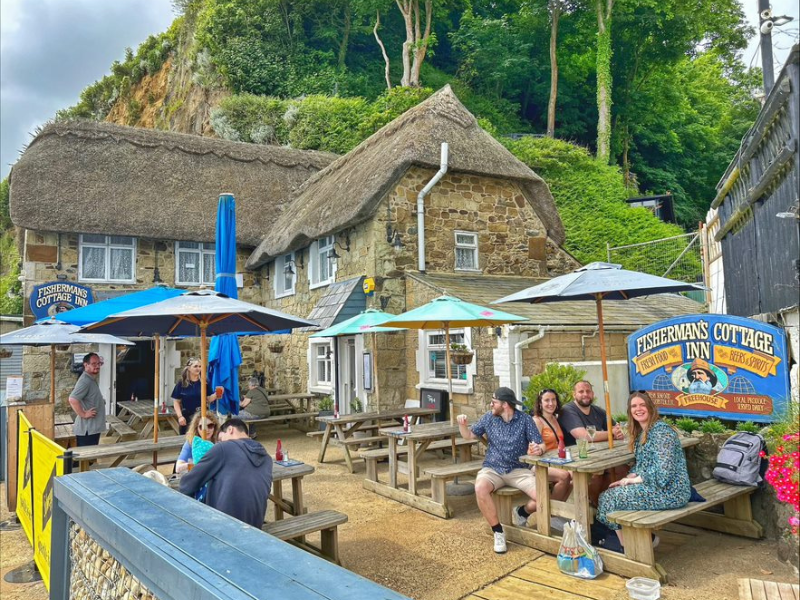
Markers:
point(50, 50)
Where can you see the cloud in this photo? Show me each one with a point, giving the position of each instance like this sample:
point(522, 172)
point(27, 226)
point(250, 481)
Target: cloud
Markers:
point(50, 50)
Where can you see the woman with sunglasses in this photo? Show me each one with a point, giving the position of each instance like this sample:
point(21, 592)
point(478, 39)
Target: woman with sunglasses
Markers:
point(186, 393)
point(545, 416)
point(197, 428)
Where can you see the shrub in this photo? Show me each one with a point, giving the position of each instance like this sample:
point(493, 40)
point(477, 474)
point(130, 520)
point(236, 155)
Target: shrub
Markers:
point(687, 424)
point(326, 403)
point(712, 426)
point(330, 124)
point(747, 426)
point(556, 376)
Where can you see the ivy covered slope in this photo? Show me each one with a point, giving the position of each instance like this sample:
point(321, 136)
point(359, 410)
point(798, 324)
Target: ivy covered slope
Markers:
point(10, 293)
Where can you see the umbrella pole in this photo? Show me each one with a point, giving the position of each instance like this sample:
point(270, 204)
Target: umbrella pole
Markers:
point(449, 374)
point(53, 374)
point(155, 403)
point(374, 373)
point(203, 375)
point(599, 299)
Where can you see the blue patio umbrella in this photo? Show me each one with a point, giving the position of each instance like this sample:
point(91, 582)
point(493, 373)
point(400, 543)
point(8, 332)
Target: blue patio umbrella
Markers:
point(98, 311)
point(224, 355)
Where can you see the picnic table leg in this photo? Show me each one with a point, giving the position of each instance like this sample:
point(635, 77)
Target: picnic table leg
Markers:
point(393, 462)
point(412, 467)
point(343, 435)
point(324, 444)
point(583, 512)
point(148, 429)
point(277, 492)
point(297, 496)
point(639, 545)
point(542, 500)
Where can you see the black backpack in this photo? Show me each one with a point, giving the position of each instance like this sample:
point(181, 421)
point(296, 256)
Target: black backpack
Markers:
point(739, 461)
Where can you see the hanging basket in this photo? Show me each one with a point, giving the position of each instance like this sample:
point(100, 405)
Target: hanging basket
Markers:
point(275, 347)
point(461, 358)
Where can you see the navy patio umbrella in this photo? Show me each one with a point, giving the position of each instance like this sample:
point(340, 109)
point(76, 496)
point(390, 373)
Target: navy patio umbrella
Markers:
point(600, 281)
point(224, 355)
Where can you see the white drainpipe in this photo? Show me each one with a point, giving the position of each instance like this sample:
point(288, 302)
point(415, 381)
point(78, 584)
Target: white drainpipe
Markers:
point(516, 364)
point(421, 206)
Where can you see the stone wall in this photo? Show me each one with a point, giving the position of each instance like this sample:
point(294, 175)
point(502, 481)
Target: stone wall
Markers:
point(570, 346)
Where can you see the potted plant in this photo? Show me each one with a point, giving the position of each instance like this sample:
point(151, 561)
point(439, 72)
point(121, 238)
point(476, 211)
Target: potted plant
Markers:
point(325, 409)
point(275, 346)
point(460, 354)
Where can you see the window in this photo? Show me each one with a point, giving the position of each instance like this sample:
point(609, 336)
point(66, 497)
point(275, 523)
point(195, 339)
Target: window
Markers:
point(466, 251)
point(437, 357)
point(322, 267)
point(285, 275)
point(107, 258)
point(194, 263)
point(320, 365)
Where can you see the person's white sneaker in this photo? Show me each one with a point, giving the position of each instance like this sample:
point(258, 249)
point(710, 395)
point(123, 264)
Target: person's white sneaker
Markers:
point(518, 519)
point(656, 541)
point(500, 542)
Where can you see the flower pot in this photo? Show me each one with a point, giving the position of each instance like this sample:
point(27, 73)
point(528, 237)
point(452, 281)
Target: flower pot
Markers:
point(462, 358)
point(275, 348)
point(324, 413)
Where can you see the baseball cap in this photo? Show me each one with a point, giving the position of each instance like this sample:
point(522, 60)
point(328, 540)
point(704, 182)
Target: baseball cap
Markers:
point(505, 394)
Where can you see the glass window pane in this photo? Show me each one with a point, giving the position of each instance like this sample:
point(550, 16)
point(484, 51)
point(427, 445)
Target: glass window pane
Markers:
point(94, 263)
point(121, 264)
point(188, 269)
point(91, 238)
point(189, 245)
point(465, 258)
point(324, 266)
point(209, 269)
point(121, 240)
point(288, 282)
point(465, 239)
point(210, 246)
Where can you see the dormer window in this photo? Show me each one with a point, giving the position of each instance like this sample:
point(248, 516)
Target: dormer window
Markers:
point(322, 265)
point(285, 275)
point(466, 251)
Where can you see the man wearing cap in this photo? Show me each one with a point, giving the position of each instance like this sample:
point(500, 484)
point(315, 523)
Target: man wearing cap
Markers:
point(510, 433)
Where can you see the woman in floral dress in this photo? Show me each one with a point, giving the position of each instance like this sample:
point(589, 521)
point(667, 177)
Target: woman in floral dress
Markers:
point(659, 479)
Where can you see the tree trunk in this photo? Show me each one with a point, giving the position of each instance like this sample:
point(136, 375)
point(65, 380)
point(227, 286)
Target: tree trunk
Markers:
point(555, 13)
point(408, 45)
point(421, 42)
point(604, 80)
point(345, 37)
point(383, 51)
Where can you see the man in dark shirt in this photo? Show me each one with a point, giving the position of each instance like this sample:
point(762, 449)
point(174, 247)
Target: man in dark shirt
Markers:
point(239, 473)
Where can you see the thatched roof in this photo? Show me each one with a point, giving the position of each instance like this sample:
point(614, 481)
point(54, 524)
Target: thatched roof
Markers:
point(93, 177)
point(349, 190)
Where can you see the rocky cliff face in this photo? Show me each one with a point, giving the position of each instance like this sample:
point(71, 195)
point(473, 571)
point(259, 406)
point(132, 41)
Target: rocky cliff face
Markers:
point(179, 97)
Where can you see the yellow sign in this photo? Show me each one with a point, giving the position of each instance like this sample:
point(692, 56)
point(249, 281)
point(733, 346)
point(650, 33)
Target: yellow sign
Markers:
point(369, 286)
point(667, 357)
point(40, 465)
point(755, 362)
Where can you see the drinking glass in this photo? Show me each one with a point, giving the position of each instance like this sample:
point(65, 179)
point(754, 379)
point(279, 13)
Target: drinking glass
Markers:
point(583, 450)
point(591, 431)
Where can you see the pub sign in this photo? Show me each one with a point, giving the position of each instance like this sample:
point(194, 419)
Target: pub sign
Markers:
point(49, 299)
point(712, 366)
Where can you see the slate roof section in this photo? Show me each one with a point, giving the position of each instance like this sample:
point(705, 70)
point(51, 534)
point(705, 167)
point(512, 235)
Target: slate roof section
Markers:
point(342, 300)
point(634, 313)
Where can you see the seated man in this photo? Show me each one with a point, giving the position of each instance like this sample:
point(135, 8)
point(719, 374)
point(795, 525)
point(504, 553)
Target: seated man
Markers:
point(511, 433)
point(256, 401)
point(574, 419)
point(239, 473)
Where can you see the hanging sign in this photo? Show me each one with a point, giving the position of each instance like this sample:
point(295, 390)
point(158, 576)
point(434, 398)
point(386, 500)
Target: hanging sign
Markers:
point(712, 365)
point(49, 299)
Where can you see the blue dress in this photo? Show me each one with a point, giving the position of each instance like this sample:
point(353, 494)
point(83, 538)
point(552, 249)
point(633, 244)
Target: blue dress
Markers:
point(661, 463)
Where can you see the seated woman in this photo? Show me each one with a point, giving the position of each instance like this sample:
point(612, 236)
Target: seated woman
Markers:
point(545, 415)
point(659, 479)
point(195, 429)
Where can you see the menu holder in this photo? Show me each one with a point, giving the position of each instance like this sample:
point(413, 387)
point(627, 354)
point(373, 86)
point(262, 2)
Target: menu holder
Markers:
point(289, 463)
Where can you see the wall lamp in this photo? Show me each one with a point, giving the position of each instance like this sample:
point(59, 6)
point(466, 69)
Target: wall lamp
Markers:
point(393, 237)
point(333, 255)
point(288, 267)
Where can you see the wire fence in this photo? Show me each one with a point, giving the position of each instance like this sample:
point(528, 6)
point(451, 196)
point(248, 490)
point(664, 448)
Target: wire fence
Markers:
point(96, 575)
point(679, 257)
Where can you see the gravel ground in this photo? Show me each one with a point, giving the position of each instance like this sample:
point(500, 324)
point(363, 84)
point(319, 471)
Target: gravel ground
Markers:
point(428, 558)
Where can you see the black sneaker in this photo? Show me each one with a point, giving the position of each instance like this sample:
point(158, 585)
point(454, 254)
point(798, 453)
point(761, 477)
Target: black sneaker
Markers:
point(611, 543)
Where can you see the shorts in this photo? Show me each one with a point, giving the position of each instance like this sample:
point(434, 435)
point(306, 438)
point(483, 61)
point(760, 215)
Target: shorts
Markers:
point(522, 479)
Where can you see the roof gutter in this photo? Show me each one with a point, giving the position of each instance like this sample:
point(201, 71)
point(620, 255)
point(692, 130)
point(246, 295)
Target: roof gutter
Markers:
point(421, 207)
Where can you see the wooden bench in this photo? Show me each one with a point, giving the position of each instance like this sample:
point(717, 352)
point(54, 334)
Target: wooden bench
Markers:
point(64, 435)
point(737, 519)
point(756, 589)
point(325, 521)
point(306, 417)
point(371, 457)
point(119, 429)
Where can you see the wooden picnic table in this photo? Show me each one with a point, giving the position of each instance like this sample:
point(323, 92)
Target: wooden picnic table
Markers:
point(86, 454)
point(339, 430)
point(141, 412)
point(418, 440)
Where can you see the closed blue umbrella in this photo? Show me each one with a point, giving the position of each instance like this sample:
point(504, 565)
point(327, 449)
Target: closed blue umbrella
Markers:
point(224, 355)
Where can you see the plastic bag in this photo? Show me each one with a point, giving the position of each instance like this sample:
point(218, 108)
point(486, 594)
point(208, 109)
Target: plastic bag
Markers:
point(576, 556)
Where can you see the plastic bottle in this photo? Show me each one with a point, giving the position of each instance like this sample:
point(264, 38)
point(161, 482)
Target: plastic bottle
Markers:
point(278, 451)
point(405, 424)
point(562, 449)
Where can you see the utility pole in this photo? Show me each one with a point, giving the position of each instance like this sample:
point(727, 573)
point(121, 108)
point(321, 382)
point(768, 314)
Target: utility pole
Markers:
point(765, 25)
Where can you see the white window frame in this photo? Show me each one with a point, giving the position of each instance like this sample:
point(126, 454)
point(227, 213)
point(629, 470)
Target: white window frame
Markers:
point(427, 376)
point(320, 250)
point(107, 246)
point(203, 254)
point(315, 347)
point(281, 263)
point(463, 246)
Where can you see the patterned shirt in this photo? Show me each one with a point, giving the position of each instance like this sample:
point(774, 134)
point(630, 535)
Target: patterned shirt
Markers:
point(507, 441)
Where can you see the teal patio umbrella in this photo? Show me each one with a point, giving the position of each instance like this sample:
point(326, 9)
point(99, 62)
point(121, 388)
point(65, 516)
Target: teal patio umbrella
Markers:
point(367, 321)
point(445, 312)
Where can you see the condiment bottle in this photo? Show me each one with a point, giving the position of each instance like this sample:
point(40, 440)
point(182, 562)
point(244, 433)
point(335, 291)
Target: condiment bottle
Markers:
point(278, 451)
point(562, 449)
point(405, 424)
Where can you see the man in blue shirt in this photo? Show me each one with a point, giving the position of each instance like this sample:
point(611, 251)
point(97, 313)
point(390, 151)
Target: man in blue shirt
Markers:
point(510, 433)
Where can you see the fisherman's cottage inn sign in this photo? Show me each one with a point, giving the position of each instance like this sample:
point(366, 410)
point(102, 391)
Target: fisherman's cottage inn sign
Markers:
point(712, 365)
point(49, 299)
